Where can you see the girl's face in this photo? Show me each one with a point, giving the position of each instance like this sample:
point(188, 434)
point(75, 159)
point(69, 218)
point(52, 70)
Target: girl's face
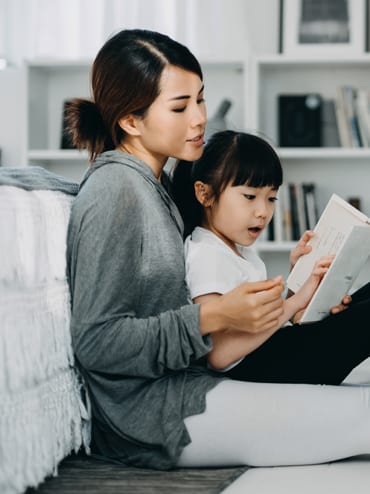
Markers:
point(175, 122)
point(241, 213)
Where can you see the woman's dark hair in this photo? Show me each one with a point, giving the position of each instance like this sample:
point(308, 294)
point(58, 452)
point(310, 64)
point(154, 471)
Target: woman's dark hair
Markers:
point(229, 158)
point(125, 80)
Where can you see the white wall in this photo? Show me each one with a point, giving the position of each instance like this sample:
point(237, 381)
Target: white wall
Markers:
point(225, 29)
point(12, 125)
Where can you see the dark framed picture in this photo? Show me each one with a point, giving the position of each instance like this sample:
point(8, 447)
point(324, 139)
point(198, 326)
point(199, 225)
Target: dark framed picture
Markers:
point(323, 27)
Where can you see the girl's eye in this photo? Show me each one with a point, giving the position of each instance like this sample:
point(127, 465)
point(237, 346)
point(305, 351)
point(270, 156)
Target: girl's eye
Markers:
point(273, 199)
point(250, 197)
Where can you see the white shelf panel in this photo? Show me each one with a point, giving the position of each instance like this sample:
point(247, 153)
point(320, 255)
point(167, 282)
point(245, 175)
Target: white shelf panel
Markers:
point(53, 63)
point(324, 153)
point(275, 246)
point(281, 60)
point(57, 155)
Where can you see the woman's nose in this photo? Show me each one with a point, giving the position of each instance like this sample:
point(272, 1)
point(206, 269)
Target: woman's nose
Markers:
point(199, 116)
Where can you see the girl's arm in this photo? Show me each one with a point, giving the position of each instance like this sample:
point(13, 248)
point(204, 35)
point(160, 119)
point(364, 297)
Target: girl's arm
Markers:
point(229, 345)
point(299, 300)
point(299, 250)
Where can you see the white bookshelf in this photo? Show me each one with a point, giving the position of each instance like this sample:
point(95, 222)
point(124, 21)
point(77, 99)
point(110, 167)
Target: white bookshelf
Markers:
point(345, 171)
point(48, 83)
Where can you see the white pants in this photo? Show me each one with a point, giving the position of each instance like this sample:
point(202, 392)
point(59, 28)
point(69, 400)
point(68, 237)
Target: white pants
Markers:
point(278, 424)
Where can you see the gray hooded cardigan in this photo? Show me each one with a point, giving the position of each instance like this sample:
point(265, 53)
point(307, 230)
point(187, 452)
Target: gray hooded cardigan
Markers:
point(135, 333)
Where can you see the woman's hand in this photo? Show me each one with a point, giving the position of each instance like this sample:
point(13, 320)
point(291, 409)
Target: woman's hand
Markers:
point(301, 248)
point(251, 307)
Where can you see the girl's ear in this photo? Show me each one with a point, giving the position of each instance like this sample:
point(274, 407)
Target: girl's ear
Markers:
point(203, 193)
point(129, 124)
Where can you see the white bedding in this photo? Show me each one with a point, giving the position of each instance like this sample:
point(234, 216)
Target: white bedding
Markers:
point(42, 416)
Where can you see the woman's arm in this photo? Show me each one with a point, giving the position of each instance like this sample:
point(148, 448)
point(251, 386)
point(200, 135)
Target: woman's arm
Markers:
point(262, 312)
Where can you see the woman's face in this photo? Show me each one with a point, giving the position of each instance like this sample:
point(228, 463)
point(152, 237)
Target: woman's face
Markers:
point(175, 122)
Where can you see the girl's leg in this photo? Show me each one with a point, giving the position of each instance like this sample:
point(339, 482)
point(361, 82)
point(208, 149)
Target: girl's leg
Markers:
point(324, 352)
point(278, 424)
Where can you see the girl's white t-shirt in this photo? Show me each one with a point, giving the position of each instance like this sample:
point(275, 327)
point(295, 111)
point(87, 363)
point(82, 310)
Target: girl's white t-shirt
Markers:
point(213, 267)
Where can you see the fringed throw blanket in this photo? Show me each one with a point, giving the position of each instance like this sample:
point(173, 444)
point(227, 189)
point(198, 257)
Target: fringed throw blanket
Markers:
point(41, 411)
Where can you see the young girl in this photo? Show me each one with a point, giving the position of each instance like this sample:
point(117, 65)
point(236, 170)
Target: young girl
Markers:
point(138, 339)
point(229, 201)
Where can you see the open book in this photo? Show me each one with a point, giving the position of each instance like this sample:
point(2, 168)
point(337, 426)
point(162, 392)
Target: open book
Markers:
point(344, 231)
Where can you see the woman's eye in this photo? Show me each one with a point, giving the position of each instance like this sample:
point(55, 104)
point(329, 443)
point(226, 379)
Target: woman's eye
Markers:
point(179, 110)
point(201, 100)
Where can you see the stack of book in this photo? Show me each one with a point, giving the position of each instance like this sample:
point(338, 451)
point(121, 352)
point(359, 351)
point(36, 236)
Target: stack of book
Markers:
point(295, 212)
point(352, 107)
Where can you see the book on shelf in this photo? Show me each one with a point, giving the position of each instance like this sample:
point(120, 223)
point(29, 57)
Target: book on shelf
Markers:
point(352, 107)
point(329, 124)
point(341, 230)
point(363, 115)
point(295, 212)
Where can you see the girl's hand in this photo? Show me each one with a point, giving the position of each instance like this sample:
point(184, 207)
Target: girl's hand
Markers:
point(305, 293)
point(301, 248)
point(346, 301)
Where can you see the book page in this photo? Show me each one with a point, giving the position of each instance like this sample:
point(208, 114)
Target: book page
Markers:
point(331, 232)
point(341, 274)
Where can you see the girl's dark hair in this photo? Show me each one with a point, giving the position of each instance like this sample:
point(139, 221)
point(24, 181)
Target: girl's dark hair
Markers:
point(125, 80)
point(229, 158)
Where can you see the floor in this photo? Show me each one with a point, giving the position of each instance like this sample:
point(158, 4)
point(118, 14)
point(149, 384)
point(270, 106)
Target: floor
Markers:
point(350, 476)
point(79, 474)
point(84, 475)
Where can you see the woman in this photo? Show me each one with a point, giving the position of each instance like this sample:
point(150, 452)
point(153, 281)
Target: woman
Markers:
point(138, 340)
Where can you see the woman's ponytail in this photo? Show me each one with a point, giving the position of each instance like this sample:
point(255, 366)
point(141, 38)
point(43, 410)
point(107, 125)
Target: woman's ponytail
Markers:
point(86, 128)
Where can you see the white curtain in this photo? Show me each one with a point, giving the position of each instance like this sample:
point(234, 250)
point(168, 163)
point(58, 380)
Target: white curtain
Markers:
point(75, 29)
point(68, 29)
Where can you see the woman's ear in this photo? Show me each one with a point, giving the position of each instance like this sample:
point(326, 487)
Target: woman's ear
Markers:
point(203, 193)
point(129, 124)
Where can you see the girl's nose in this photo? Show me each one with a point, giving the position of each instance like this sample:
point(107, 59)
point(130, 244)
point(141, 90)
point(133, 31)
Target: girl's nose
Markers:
point(261, 211)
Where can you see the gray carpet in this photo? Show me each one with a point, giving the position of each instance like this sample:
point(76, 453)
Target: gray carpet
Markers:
point(81, 474)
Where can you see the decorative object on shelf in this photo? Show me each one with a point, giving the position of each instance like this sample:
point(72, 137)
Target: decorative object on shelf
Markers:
point(65, 142)
point(217, 122)
point(299, 120)
point(323, 27)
